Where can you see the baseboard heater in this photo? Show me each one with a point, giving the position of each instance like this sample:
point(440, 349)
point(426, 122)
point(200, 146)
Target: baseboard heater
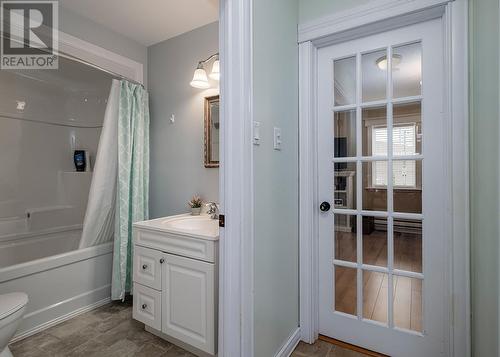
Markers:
point(400, 226)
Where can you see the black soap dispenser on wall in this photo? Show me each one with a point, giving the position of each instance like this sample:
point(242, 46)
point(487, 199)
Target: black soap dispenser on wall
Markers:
point(80, 158)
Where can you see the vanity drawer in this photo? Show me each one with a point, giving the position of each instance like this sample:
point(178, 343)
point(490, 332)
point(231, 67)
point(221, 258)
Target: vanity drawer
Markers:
point(147, 267)
point(200, 249)
point(147, 306)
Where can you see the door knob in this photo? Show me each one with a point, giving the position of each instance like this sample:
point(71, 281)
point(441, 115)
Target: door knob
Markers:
point(162, 261)
point(144, 306)
point(324, 206)
point(144, 267)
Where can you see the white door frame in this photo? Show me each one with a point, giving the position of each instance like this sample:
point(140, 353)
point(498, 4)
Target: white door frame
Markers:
point(236, 181)
point(379, 16)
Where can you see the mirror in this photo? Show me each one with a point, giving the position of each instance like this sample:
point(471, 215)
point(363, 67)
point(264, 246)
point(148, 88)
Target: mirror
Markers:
point(212, 131)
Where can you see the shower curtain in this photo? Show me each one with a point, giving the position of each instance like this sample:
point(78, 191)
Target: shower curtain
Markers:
point(120, 185)
point(133, 180)
point(99, 222)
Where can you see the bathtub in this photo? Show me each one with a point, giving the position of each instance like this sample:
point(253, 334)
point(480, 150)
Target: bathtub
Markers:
point(60, 280)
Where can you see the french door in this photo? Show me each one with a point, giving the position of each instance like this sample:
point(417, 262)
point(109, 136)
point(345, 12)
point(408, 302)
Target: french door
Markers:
point(381, 148)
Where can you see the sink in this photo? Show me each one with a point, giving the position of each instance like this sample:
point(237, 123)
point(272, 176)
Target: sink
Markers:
point(193, 224)
point(202, 226)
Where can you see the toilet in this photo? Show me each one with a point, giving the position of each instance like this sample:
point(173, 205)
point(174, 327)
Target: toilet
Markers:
point(12, 307)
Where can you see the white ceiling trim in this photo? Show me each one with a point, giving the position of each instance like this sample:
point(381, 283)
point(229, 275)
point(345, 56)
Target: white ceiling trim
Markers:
point(372, 13)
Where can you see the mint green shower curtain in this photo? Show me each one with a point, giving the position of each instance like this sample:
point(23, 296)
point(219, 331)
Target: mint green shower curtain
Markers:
point(132, 190)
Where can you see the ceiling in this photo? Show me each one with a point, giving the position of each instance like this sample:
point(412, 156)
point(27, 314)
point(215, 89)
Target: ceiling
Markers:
point(147, 22)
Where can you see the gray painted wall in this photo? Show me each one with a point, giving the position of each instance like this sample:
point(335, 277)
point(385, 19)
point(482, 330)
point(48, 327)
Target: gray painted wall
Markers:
point(484, 169)
point(87, 30)
point(312, 9)
point(276, 174)
point(177, 169)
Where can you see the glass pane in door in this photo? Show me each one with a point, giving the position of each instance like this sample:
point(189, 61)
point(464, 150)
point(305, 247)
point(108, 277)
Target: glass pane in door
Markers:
point(407, 131)
point(408, 245)
point(407, 70)
point(408, 303)
point(374, 241)
point(374, 75)
point(407, 181)
point(344, 72)
point(346, 290)
point(374, 129)
point(374, 182)
point(345, 237)
point(375, 296)
point(344, 127)
point(345, 185)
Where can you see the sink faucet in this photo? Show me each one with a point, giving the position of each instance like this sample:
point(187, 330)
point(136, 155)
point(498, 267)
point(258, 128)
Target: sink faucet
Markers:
point(213, 210)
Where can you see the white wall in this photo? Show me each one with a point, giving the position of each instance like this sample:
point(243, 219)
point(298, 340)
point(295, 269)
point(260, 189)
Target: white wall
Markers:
point(177, 156)
point(276, 174)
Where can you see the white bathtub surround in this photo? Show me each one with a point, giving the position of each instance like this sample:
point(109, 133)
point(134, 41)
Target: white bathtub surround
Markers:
point(175, 280)
point(132, 196)
point(98, 225)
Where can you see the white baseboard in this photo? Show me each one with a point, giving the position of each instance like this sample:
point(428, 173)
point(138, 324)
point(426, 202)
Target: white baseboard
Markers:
point(73, 312)
point(290, 344)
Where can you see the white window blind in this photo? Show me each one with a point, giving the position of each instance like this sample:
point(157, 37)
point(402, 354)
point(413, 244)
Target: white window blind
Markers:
point(404, 144)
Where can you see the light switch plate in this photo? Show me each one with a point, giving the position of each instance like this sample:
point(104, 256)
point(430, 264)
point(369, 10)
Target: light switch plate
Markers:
point(277, 139)
point(256, 133)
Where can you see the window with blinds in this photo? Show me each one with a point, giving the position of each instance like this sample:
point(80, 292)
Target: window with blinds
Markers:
point(404, 143)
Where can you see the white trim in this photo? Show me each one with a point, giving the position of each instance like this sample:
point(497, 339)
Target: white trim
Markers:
point(373, 15)
point(64, 317)
point(308, 245)
point(290, 344)
point(377, 16)
point(236, 181)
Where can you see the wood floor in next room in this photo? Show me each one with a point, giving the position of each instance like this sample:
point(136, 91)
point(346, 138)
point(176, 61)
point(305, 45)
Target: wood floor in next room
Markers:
point(110, 331)
point(407, 291)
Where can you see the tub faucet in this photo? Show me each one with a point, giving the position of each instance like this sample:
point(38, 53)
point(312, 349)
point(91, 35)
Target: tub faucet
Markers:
point(213, 210)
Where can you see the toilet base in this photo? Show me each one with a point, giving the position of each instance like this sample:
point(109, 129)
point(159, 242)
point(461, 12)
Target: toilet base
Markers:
point(6, 352)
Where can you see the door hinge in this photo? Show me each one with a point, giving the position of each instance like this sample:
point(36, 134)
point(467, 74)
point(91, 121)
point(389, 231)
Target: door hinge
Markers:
point(222, 220)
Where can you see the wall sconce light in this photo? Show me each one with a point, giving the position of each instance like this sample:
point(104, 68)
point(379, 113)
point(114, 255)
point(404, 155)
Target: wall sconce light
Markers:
point(200, 79)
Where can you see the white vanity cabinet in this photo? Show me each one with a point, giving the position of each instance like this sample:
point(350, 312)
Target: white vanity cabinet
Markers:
point(175, 284)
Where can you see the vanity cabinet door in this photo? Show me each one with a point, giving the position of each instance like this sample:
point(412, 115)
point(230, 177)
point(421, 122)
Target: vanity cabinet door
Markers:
point(188, 311)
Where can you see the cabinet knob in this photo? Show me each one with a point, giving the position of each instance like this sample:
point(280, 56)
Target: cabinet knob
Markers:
point(144, 267)
point(144, 306)
point(162, 260)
